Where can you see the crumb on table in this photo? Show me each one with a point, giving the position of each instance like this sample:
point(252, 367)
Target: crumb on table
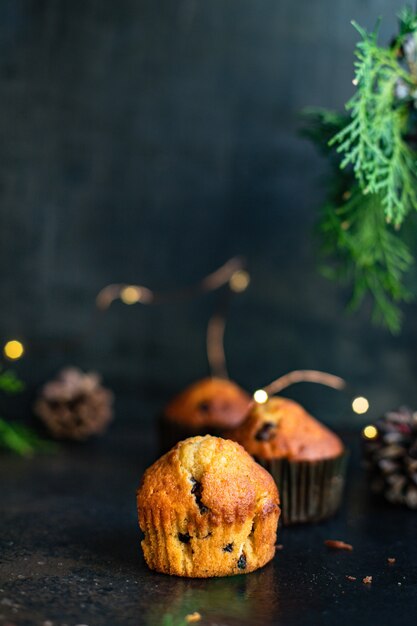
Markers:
point(367, 580)
point(336, 544)
point(193, 617)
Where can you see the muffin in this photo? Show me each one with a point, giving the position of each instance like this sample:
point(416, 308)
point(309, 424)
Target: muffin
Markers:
point(306, 459)
point(206, 508)
point(208, 406)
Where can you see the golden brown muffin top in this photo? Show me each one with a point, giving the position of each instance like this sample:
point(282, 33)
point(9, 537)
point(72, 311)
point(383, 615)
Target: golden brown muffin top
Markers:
point(207, 476)
point(281, 428)
point(210, 402)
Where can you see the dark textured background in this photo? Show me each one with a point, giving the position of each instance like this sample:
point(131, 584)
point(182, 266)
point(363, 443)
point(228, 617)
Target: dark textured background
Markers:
point(147, 141)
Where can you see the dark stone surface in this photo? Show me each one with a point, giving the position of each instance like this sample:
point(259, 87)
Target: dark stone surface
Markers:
point(69, 552)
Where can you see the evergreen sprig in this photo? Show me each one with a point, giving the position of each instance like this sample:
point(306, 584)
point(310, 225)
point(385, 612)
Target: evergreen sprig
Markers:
point(374, 172)
point(10, 383)
point(15, 437)
point(374, 140)
point(22, 440)
point(369, 255)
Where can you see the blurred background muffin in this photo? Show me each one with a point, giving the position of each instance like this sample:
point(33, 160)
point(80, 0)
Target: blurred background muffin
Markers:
point(208, 406)
point(306, 458)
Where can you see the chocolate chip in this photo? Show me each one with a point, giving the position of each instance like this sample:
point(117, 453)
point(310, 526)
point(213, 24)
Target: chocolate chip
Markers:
point(266, 432)
point(197, 493)
point(228, 547)
point(242, 561)
point(184, 538)
point(204, 406)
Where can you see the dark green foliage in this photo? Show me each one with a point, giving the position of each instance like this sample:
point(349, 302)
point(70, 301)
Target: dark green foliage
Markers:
point(16, 437)
point(372, 149)
point(10, 383)
point(22, 440)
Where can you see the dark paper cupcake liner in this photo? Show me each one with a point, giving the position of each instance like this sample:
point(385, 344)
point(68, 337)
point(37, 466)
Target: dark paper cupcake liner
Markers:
point(310, 491)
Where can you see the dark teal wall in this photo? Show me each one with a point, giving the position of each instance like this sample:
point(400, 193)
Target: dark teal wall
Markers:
point(148, 141)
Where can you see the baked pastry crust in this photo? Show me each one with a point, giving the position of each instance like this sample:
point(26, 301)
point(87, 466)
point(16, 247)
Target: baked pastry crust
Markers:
point(207, 509)
point(209, 403)
point(282, 429)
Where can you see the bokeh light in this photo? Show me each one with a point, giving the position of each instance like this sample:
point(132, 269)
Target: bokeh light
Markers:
point(239, 281)
point(370, 432)
point(260, 396)
point(360, 405)
point(130, 294)
point(13, 349)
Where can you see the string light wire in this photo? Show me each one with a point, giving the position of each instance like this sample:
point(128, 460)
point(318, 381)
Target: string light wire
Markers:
point(232, 277)
point(233, 272)
point(303, 376)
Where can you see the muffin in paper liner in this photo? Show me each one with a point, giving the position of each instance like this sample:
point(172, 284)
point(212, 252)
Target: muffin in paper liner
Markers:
point(310, 491)
point(207, 509)
point(306, 459)
point(207, 407)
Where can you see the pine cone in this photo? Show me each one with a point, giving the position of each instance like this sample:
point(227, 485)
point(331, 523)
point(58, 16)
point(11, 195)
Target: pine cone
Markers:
point(74, 405)
point(391, 457)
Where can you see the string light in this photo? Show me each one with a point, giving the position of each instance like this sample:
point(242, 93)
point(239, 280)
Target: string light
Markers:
point(13, 349)
point(360, 405)
point(231, 273)
point(130, 294)
point(260, 396)
point(232, 276)
point(298, 376)
point(239, 281)
point(370, 432)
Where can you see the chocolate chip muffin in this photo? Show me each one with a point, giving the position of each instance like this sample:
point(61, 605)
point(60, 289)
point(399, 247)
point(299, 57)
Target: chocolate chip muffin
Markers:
point(208, 406)
point(206, 508)
point(306, 459)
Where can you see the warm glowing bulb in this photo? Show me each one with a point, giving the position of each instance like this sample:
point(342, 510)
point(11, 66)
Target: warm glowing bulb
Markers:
point(370, 432)
point(239, 281)
point(130, 294)
point(260, 396)
point(13, 349)
point(360, 405)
